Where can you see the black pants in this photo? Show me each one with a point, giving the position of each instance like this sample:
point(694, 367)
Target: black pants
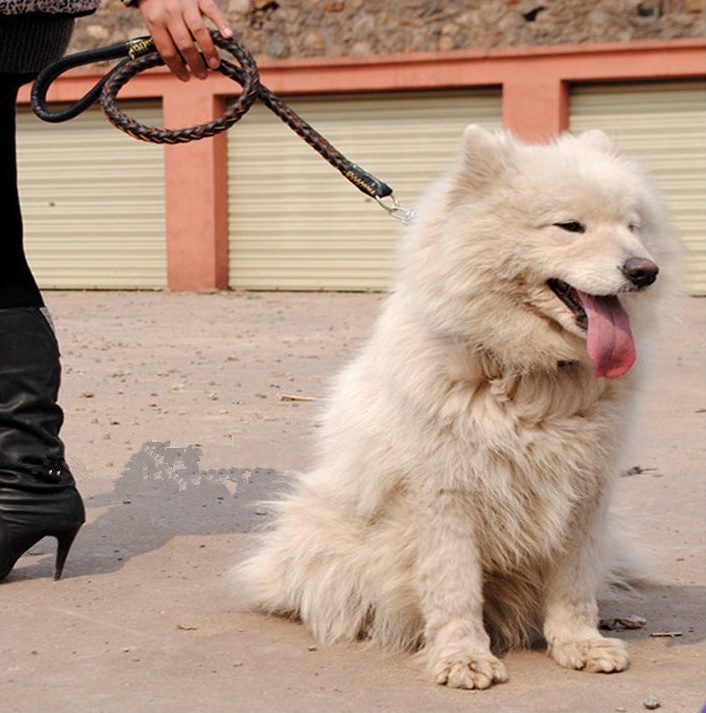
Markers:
point(18, 287)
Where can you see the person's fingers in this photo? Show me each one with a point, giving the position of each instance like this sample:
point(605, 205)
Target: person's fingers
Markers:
point(200, 33)
point(168, 52)
point(160, 17)
point(183, 37)
point(194, 17)
point(180, 34)
point(212, 11)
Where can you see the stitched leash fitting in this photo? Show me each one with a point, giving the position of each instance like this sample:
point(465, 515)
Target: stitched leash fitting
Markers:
point(140, 54)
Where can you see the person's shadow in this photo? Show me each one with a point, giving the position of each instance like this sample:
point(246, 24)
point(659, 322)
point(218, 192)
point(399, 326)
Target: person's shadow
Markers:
point(161, 494)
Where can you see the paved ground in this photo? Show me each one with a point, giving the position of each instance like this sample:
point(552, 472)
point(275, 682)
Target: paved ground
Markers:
point(180, 415)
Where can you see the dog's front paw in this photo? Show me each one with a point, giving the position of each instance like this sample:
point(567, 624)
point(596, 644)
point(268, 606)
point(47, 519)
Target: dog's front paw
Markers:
point(597, 654)
point(467, 668)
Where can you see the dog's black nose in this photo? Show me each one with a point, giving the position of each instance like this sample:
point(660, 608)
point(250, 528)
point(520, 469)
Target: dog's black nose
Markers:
point(640, 271)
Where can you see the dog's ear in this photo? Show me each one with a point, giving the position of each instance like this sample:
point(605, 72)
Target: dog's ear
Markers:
point(598, 140)
point(484, 155)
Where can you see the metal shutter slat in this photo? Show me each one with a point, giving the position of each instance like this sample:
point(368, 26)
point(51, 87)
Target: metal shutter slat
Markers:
point(93, 202)
point(296, 223)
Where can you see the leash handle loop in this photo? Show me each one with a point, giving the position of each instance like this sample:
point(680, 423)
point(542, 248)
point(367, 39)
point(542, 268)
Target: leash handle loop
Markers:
point(49, 74)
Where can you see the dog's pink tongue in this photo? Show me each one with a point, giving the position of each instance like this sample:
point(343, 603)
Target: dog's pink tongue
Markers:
point(610, 344)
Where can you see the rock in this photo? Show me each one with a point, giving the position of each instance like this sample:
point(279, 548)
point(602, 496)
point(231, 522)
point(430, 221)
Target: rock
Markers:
point(98, 32)
point(277, 46)
point(239, 7)
point(652, 703)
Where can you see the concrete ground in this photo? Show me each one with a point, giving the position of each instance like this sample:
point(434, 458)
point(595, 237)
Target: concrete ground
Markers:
point(182, 410)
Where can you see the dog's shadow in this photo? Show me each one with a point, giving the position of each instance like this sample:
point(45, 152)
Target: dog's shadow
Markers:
point(673, 613)
point(163, 493)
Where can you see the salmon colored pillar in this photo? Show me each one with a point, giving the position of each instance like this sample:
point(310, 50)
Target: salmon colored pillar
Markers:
point(196, 192)
point(535, 103)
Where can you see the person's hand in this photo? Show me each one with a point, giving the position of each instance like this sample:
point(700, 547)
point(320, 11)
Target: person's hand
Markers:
point(177, 26)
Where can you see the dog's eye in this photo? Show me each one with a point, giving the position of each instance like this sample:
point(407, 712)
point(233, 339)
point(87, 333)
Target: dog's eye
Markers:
point(633, 227)
point(572, 226)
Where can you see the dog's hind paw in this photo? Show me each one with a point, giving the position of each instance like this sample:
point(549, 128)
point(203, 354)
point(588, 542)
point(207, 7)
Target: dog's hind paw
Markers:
point(468, 670)
point(597, 655)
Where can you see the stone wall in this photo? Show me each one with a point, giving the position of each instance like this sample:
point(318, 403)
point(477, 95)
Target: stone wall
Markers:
point(282, 29)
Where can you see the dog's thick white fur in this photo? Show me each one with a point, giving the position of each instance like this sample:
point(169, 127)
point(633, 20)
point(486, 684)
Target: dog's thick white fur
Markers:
point(461, 495)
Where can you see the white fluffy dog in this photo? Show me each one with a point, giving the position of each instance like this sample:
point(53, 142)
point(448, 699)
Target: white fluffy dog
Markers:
point(461, 496)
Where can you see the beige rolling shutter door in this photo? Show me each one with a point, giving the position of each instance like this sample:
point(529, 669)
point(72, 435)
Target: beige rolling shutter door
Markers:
point(93, 202)
point(296, 223)
point(665, 125)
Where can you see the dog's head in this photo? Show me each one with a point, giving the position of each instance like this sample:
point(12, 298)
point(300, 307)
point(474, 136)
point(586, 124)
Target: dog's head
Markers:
point(541, 254)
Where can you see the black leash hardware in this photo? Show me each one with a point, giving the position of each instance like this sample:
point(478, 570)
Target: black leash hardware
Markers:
point(130, 49)
point(140, 54)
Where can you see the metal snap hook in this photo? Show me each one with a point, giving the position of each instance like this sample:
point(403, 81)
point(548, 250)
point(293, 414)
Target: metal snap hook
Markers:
point(395, 210)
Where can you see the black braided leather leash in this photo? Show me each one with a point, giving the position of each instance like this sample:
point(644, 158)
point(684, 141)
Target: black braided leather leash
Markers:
point(140, 54)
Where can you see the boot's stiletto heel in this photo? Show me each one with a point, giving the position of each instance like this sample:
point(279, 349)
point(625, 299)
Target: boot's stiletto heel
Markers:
point(15, 545)
point(38, 495)
point(64, 540)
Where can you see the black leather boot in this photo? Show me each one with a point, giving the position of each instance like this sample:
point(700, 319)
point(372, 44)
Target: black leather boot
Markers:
point(38, 495)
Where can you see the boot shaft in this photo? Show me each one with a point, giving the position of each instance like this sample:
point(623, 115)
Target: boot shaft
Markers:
point(31, 452)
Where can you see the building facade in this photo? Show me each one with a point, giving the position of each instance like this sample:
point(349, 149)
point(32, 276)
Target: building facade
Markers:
point(256, 208)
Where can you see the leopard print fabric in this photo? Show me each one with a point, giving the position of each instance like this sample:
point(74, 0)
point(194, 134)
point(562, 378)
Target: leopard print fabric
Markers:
point(52, 7)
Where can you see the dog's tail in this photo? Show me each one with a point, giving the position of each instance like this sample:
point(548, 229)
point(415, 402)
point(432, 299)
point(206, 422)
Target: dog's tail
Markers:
point(343, 579)
point(308, 567)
